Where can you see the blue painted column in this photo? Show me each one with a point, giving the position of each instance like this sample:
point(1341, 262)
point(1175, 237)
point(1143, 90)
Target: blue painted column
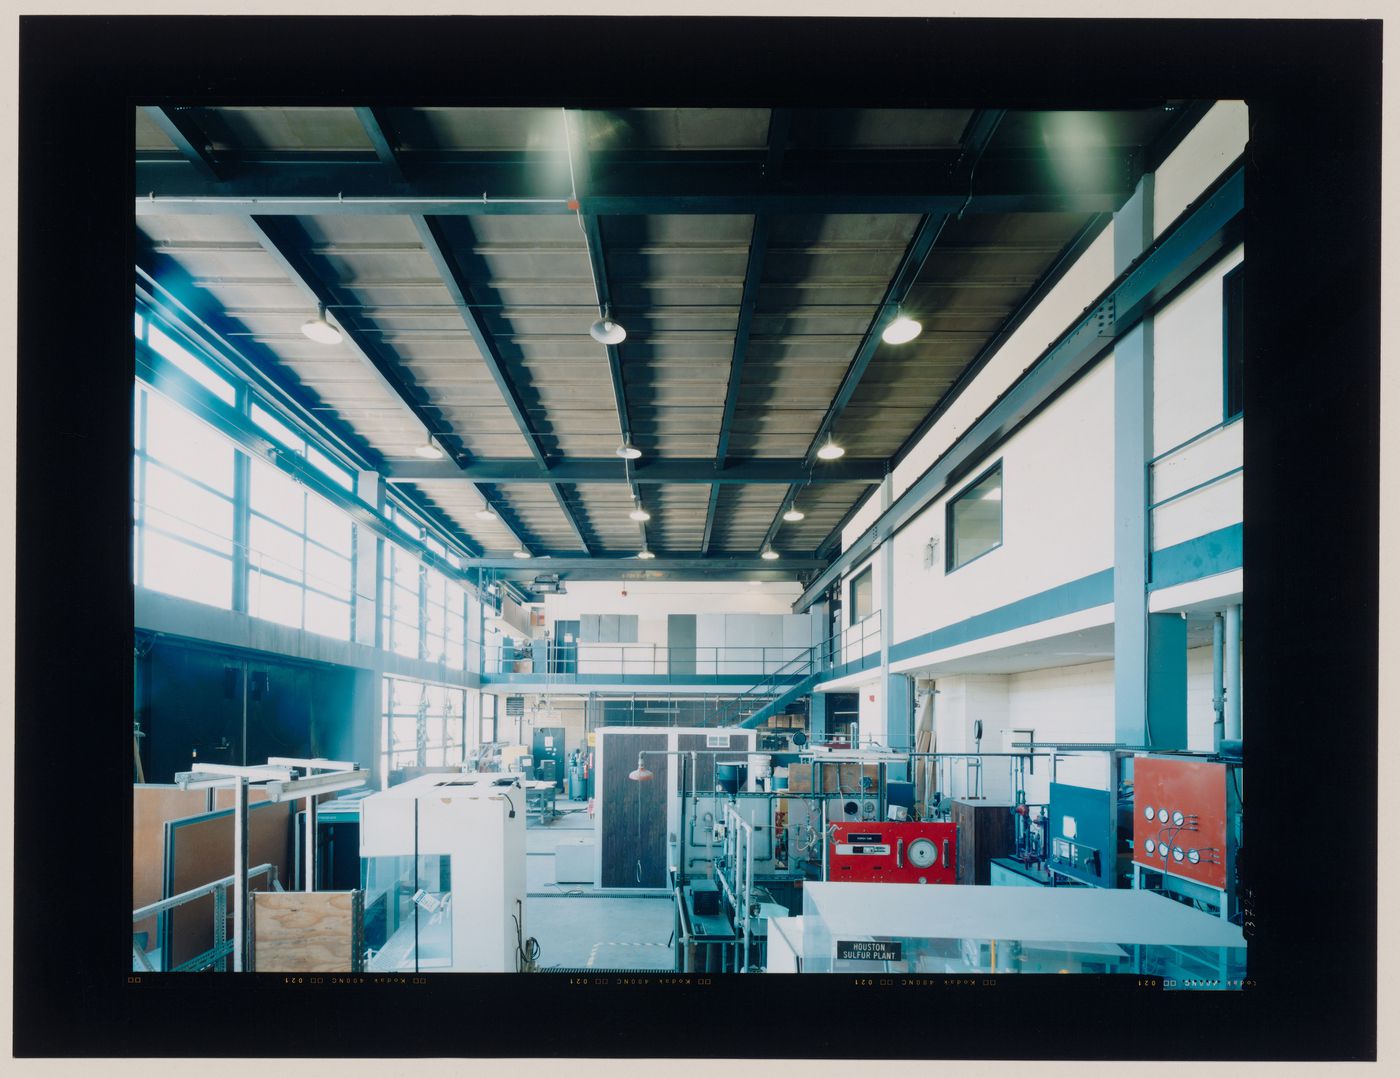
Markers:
point(1149, 650)
point(816, 717)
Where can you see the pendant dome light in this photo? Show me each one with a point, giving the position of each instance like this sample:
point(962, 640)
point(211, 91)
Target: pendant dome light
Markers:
point(902, 330)
point(830, 450)
point(638, 513)
point(794, 514)
point(522, 554)
point(645, 555)
point(319, 330)
point(486, 512)
point(628, 451)
point(429, 450)
point(769, 554)
point(606, 330)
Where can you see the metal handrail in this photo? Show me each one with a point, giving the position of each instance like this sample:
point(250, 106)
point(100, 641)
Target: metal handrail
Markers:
point(197, 892)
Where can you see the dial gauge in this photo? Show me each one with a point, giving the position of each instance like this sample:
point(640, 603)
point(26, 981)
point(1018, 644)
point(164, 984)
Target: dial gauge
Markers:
point(1178, 819)
point(1194, 856)
point(1161, 815)
point(1149, 812)
point(923, 853)
point(1178, 854)
point(1163, 850)
point(1149, 846)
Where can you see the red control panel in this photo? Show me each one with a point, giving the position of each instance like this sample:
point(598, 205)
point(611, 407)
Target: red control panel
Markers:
point(1181, 817)
point(893, 852)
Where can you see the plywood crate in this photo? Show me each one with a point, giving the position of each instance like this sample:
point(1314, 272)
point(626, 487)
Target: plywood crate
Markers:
point(315, 932)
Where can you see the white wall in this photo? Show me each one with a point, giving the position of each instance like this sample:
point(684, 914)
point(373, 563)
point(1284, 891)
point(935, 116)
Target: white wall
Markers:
point(1057, 517)
point(1204, 154)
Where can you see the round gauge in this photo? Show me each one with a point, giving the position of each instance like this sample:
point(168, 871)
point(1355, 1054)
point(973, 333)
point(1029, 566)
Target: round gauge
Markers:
point(923, 853)
point(1149, 812)
point(1163, 850)
point(1194, 856)
point(1161, 815)
point(1149, 846)
point(1178, 854)
point(1178, 819)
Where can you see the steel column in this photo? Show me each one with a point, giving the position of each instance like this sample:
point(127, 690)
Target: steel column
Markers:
point(240, 874)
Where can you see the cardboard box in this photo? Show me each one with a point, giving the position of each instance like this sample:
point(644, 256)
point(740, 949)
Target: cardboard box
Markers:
point(845, 777)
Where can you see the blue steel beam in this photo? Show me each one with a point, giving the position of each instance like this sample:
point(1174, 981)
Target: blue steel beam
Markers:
point(977, 136)
point(1206, 233)
point(611, 470)
point(381, 136)
point(179, 127)
point(684, 183)
point(436, 245)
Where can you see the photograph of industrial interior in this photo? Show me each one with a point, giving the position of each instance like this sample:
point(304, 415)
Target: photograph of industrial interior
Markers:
point(706, 540)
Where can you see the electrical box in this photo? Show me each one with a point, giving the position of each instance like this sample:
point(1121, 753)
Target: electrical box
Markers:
point(893, 853)
point(1083, 839)
point(1182, 820)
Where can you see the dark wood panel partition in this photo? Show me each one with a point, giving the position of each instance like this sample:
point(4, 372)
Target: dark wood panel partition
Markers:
point(634, 820)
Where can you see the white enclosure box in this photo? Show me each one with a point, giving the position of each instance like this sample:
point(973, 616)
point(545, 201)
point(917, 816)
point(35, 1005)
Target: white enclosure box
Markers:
point(443, 870)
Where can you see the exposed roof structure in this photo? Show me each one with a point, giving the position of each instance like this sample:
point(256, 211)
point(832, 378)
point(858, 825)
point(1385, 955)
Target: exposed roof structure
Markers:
point(753, 256)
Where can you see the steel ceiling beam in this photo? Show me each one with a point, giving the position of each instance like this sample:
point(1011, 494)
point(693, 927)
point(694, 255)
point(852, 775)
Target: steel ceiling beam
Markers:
point(678, 183)
point(1197, 241)
point(179, 127)
point(377, 127)
point(977, 136)
point(779, 127)
point(610, 470)
point(435, 243)
point(271, 236)
point(631, 565)
point(581, 172)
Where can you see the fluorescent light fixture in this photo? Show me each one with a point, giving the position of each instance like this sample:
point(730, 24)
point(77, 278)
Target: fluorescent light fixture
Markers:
point(645, 554)
point(486, 512)
point(769, 554)
point(319, 330)
point(428, 450)
point(901, 331)
point(522, 554)
point(628, 451)
point(794, 514)
point(638, 513)
point(607, 331)
point(830, 450)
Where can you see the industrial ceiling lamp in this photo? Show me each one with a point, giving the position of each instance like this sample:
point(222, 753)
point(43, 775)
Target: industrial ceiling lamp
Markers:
point(607, 331)
point(486, 512)
point(641, 774)
point(429, 450)
point(628, 451)
point(902, 330)
point(794, 514)
point(319, 330)
point(830, 450)
point(645, 554)
point(522, 554)
point(769, 554)
point(638, 513)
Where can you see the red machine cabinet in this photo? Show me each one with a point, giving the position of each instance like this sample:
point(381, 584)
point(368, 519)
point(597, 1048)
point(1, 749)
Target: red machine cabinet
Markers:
point(893, 852)
point(1181, 818)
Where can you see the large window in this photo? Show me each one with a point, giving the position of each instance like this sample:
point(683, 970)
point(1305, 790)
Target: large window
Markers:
point(424, 725)
point(974, 519)
point(402, 599)
point(1233, 286)
point(862, 595)
point(300, 570)
point(183, 503)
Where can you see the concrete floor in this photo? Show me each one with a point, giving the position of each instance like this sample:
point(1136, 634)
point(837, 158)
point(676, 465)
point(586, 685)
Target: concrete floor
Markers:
point(578, 928)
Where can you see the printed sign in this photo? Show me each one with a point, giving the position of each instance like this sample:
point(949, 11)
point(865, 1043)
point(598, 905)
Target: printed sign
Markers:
point(870, 950)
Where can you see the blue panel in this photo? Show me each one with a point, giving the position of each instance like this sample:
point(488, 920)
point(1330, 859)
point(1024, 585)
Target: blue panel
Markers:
point(1215, 552)
point(1082, 594)
point(1093, 829)
point(544, 681)
point(1166, 681)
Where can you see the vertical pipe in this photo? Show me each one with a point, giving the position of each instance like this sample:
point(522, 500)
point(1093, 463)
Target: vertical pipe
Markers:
point(309, 846)
point(1218, 683)
point(1232, 673)
point(240, 875)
